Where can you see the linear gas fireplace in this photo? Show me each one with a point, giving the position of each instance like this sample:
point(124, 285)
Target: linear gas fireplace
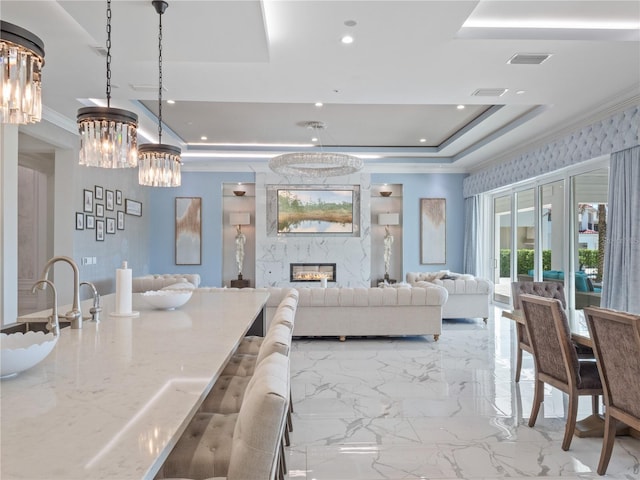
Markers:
point(312, 272)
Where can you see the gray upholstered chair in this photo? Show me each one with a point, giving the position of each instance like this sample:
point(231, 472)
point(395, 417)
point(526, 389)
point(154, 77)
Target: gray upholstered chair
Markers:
point(556, 359)
point(541, 289)
point(616, 342)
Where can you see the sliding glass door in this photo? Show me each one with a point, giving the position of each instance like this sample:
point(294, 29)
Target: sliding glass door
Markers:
point(502, 248)
point(590, 192)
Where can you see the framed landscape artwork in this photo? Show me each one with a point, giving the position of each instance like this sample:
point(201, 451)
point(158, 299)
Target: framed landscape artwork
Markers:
point(433, 230)
point(188, 230)
point(332, 210)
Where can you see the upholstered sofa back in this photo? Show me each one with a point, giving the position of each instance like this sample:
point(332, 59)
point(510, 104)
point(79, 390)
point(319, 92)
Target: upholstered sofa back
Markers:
point(158, 282)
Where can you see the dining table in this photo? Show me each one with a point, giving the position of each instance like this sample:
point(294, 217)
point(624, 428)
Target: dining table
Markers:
point(113, 397)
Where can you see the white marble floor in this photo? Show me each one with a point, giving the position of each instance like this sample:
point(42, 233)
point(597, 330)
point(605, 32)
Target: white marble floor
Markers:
point(412, 408)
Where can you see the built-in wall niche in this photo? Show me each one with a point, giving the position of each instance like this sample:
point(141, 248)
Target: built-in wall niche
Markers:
point(386, 206)
point(238, 212)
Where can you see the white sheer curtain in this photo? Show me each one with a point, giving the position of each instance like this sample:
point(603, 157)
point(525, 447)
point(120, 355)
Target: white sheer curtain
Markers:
point(471, 220)
point(621, 279)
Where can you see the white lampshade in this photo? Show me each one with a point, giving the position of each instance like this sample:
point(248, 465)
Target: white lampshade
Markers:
point(241, 218)
point(389, 219)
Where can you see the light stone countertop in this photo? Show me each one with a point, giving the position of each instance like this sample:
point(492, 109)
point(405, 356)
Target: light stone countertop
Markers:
point(112, 398)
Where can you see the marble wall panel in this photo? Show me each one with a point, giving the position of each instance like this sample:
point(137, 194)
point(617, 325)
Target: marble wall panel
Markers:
point(275, 252)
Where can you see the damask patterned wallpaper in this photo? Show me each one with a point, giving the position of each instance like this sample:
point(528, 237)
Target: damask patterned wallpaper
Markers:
point(618, 132)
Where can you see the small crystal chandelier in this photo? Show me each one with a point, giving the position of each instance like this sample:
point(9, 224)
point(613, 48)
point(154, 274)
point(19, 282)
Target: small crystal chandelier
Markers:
point(21, 62)
point(315, 164)
point(108, 136)
point(159, 163)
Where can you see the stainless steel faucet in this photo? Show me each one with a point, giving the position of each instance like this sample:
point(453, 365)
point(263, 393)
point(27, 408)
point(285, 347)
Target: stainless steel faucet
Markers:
point(96, 309)
point(75, 315)
point(52, 325)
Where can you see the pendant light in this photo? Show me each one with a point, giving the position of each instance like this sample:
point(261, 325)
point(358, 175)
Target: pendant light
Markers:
point(108, 136)
point(21, 62)
point(159, 163)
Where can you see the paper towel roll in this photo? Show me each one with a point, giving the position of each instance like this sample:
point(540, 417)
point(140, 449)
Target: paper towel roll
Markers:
point(123, 289)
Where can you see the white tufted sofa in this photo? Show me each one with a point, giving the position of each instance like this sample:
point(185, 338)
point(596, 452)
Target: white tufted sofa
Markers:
point(469, 296)
point(343, 312)
point(158, 282)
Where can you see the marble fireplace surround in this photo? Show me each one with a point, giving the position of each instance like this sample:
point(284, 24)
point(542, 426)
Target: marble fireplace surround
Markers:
point(274, 253)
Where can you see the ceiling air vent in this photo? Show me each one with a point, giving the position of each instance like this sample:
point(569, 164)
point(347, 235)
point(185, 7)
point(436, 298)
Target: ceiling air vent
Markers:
point(528, 58)
point(489, 92)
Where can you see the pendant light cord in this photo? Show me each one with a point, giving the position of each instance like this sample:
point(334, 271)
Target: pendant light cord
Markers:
point(160, 78)
point(108, 53)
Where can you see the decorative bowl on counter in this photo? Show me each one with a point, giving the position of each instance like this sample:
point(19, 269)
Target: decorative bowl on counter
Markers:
point(21, 351)
point(167, 299)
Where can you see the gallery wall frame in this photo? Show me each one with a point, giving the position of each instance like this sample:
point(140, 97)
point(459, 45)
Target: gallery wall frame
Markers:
point(109, 200)
point(132, 207)
point(79, 221)
point(100, 230)
point(433, 231)
point(87, 201)
point(90, 222)
point(188, 221)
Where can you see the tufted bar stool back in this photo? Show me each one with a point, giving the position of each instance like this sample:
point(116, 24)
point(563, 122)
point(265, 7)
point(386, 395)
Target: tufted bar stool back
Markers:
point(241, 446)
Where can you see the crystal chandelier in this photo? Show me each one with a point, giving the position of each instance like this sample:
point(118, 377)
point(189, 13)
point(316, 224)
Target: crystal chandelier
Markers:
point(21, 62)
point(108, 136)
point(315, 164)
point(159, 163)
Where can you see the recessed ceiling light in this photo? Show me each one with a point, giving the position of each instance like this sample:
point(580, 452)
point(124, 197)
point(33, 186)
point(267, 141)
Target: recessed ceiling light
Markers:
point(347, 39)
point(520, 92)
point(314, 139)
point(318, 104)
point(460, 107)
point(203, 137)
point(423, 140)
point(171, 102)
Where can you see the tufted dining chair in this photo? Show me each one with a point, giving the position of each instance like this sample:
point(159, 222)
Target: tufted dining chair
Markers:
point(541, 289)
point(616, 342)
point(556, 359)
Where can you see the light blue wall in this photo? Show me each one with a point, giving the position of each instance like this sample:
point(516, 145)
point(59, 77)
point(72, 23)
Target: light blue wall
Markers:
point(207, 185)
point(429, 185)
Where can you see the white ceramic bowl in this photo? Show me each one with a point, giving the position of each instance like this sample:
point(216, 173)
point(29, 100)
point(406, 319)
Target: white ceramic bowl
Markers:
point(21, 351)
point(167, 299)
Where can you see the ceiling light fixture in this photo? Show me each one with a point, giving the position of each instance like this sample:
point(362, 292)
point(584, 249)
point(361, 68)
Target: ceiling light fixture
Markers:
point(108, 136)
point(21, 62)
point(315, 164)
point(347, 39)
point(159, 163)
point(460, 107)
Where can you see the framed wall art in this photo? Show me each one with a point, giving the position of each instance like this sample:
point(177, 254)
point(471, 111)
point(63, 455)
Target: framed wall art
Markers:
point(332, 210)
point(118, 197)
point(120, 220)
point(99, 192)
point(79, 221)
point(87, 201)
point(110, 200)
point(131, 207)
point(99, 210)
point(89, 222)
point(188, 230)
point(433, 231)
point(100, 230)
